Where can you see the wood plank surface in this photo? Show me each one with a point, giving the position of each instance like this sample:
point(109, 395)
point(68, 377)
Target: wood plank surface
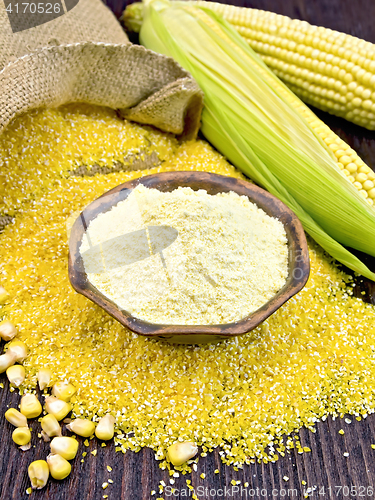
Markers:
point(135, 475)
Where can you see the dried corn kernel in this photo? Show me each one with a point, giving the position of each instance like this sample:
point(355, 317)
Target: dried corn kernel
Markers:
point(21, 436)
point(38, 473)
point(44, 378)
point(18, 349)
point(50, 425)
point(179, 453)
point(59, 467)
point(64, 391)
point(6, 360)
point(82, 427)
point(16, 418)
point(7, 330)
point(57, 407)
point(30, 406)
point(106, 428)
point(4, 295)
point(65, 446)
point(16, 374)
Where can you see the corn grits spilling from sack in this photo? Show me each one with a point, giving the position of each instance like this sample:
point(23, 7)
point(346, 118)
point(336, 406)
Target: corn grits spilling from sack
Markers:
point(228, 257)
point(246, 396)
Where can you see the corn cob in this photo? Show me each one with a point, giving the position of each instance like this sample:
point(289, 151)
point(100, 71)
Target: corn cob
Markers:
point(253, 119)
point(18, 350)
point(328, 69)
point(348, 161)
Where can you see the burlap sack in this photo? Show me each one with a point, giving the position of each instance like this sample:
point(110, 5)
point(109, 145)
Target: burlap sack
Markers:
point(84, 56)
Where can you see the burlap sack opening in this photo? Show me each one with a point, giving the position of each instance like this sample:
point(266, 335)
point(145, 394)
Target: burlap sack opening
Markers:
point(84, 56)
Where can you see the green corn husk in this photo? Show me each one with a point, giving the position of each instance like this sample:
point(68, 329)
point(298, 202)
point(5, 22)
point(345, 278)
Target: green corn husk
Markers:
point(248, 120)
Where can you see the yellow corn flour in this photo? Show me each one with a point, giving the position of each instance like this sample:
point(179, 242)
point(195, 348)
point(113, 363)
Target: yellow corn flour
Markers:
point(227, 258)
point(315, 356)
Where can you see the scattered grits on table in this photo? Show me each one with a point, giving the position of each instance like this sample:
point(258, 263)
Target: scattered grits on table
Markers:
point(312, 358)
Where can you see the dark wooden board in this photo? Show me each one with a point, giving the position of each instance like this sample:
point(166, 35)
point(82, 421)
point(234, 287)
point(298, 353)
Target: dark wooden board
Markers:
point(135, 475)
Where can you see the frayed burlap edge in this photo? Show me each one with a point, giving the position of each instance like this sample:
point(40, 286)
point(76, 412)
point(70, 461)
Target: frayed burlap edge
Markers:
point(144, 86)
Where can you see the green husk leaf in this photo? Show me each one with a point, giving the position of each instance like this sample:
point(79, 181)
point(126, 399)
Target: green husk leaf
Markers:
point(248, 120)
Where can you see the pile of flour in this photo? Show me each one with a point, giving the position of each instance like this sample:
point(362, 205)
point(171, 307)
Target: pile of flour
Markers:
point(228, 259)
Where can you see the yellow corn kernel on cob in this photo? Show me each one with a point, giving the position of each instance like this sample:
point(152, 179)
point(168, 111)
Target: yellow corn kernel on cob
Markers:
point(263, 31)
point(330, 70)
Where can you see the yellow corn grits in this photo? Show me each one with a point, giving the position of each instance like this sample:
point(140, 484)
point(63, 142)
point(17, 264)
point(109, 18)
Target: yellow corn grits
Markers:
point(313, 357)
point(44, 145)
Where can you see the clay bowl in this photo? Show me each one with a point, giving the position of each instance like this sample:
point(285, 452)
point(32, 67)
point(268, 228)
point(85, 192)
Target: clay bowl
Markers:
point(299, 264)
